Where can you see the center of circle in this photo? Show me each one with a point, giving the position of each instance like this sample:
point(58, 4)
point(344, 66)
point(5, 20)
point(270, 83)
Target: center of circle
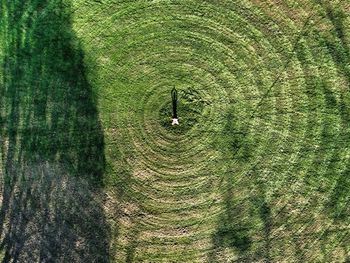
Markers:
point(190, 106)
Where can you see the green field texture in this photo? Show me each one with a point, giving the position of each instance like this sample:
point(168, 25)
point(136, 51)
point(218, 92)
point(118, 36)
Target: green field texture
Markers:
point(92, 170)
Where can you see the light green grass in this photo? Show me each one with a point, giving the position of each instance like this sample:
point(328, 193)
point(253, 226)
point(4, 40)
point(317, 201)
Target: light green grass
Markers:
point(257, 171)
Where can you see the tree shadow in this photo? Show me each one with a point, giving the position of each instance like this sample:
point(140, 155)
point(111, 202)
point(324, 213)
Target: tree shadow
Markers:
point(338, 47)
point(330, 146)
point(133, 244)
point(52, 144)
point(232, 230)
point(236, 228)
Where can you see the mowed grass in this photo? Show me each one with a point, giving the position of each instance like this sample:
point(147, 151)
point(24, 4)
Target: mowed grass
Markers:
point(257, 171)
point(51, 140)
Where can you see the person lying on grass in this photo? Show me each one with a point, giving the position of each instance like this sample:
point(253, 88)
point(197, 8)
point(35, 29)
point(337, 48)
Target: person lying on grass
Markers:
point(174, 100)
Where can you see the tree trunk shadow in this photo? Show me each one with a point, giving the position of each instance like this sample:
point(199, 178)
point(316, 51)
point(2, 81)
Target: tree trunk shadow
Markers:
point(52, 144)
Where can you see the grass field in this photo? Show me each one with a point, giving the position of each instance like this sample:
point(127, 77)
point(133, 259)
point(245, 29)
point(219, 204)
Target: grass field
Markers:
point(93, 171)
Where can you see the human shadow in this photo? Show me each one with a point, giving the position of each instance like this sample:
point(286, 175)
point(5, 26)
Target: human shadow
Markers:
point(51, 140)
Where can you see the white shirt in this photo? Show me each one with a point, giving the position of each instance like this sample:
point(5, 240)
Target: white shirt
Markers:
point(175, 122)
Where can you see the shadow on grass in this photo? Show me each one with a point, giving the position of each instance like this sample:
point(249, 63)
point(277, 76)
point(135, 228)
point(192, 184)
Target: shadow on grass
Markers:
point(327, 182)
point(232, 230)
point(242, 208)
point(190, 107)
point(52, 145)
point(338, 46)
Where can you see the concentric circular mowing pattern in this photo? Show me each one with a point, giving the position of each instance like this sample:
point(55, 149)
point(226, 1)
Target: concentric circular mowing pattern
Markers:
point(190, 105)
point(257, 170)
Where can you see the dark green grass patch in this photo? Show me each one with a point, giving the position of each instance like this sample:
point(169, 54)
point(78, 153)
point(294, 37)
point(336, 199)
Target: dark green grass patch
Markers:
point(52, 144)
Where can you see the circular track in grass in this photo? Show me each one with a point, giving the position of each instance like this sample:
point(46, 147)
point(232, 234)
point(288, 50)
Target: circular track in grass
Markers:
point(260, 153)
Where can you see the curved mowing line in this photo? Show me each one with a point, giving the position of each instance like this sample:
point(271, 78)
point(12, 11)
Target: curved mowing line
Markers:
point(264, 157)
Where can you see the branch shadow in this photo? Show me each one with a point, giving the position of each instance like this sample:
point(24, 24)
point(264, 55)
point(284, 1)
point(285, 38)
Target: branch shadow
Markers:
point(338, 47)
point(52, 144)
point(236, 230)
